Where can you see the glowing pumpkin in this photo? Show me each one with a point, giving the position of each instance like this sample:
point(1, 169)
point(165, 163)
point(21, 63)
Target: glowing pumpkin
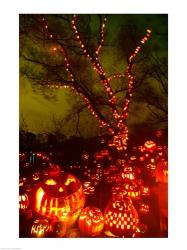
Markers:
point(151, 167)
point(142, 158)
point(88, 188)
point(113, 169)
point(145, 190)
point(128, 174)
point(119, 192)
point(40, 228)
point(54, 170)
point(132, 190)
point(150, 146)
point(91, 221)
point(144, 208)
point(36, 176)
point(104, 152)
point(98, 156)
point(23, 201)
point(121, 218)
point(60, 198)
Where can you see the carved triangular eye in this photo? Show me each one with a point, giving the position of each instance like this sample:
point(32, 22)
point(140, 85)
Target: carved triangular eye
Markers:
point(50, 182)
point(69, 180)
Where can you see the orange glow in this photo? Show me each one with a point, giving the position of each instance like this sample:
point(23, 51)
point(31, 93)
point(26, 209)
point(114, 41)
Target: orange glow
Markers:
point(69, 180)
point(50, 182)
point(39, 196)
point(91, 221)
point(39, 228)
point(61, 189)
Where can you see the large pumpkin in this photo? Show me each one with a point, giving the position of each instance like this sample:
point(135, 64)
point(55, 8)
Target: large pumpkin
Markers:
point(91, 221)
point(60, 198)
point(121, 218)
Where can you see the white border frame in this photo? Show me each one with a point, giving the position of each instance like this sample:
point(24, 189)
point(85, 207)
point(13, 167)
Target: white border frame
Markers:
point(10, 113)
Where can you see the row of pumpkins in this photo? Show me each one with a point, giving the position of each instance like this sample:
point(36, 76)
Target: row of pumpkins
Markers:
point(60, 200)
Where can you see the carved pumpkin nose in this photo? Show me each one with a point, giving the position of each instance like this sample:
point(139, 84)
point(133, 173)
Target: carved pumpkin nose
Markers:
point(61, 190)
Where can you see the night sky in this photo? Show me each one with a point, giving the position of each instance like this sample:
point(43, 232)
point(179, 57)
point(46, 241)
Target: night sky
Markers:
point(37, 111)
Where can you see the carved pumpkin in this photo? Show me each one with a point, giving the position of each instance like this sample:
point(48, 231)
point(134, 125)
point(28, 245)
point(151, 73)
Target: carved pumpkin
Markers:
point(150, 146)
point(113, 169)
point(151, 167)
point(132, 190)
point(104, 152)
point(91, 221)
point(40, 228)
point(23, 201)
point(60, 198)
point(36, 176)
point(54, 170)
point(142, 158)
point(145, 190)
point(88, 188)
point(128, 174)
point(98, 156)
point(121, 218)
point(144, 208)
point(119, 192)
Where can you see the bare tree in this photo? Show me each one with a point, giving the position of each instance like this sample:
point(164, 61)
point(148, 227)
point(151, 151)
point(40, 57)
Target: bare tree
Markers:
point(67, 52)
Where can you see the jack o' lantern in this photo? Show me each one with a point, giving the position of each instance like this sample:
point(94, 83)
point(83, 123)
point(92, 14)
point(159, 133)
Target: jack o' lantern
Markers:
point(23, 201)
point(121, 217)
point(145, 190)
point(128, 174)
point(98, 156)
point(150, 146)
point(91, 221)
point(54, 170)
point(36, 176)
point(60, 198)
point(132, 190)
point(113, 169)
point(40, 228)
point(119, 192)
point(144, 208)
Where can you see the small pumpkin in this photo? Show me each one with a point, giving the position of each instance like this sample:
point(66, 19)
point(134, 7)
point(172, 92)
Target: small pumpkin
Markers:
point(145, 190)
point(54, 170)
point(132, 190)
point(36, 176)
point(128, 174)
point(23, 201)
point(150, 146)
point(144, 208)
point(40, 228)
point(91, 221)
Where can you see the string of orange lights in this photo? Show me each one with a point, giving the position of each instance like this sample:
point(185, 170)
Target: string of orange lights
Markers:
point(121, 137)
